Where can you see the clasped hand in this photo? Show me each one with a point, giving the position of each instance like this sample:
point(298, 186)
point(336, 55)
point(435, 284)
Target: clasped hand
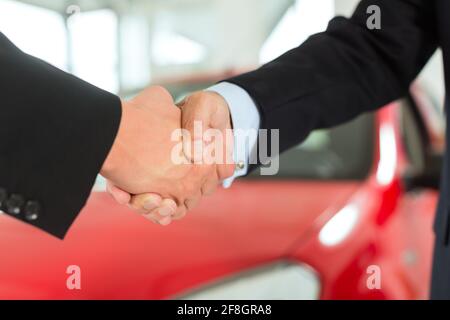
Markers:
point(143, 169)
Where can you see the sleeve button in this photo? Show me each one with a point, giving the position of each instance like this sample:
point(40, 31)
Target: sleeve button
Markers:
point(14, 204)
point(32, 210)
point(240, 165)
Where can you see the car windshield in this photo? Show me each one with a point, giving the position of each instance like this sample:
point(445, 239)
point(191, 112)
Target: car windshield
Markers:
point(344, 152)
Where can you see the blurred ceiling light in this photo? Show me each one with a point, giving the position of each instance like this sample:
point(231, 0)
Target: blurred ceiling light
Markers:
point(134, 52)
point(169, 48)
point(94, 48)
point(39, 32)
point(388, 155)
point(339, 226)
point(304, 18)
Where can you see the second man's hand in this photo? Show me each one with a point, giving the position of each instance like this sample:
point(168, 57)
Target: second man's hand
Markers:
point(208, 110)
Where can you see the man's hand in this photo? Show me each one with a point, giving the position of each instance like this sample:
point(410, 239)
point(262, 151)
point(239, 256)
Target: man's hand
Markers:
point(211, 111)
point(140, 160)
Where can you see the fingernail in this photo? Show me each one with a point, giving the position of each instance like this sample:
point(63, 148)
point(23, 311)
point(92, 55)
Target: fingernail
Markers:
point(150, 205)
point(166, 221)
point(165, 211)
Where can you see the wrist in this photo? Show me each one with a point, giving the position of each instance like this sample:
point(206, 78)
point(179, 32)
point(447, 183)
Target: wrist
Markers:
point(111, 162)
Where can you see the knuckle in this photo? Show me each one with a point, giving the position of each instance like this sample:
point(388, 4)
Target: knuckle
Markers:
point(160, 89)
point(152, 218)
point(162, 92)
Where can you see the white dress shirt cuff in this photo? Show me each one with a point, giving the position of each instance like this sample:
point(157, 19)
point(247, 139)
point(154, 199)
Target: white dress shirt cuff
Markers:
point(246, 121)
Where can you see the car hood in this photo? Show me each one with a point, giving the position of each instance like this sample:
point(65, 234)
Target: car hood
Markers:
point(121, 255)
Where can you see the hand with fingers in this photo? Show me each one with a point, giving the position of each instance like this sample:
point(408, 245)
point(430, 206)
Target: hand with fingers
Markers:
point(151, 205)
point(141, 170)
point(201, 113)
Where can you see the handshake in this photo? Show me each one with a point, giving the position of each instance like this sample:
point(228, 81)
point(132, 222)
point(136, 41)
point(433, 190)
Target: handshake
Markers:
point(156, 164)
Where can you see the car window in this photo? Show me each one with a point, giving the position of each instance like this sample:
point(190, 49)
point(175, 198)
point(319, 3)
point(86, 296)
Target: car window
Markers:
point(343, 152)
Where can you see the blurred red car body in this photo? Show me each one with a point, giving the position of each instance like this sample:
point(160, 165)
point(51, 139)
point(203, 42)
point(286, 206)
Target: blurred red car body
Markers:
point(340, 233)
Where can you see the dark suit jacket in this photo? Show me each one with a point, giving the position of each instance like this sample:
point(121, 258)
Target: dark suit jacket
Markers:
point(349, 69)
point(55, 134)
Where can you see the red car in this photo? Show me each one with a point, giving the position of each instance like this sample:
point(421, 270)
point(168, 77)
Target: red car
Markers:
point(349, 216)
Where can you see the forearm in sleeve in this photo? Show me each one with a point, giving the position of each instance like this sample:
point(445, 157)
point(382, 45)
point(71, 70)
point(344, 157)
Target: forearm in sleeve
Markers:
point(344, 71)
point(55, 134)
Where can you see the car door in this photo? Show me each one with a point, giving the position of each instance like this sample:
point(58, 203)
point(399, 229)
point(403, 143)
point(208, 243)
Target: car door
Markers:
point(418, 202)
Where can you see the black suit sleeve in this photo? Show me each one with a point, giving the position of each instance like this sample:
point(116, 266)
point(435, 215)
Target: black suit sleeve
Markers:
point(55, 134)
point(344, 71)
